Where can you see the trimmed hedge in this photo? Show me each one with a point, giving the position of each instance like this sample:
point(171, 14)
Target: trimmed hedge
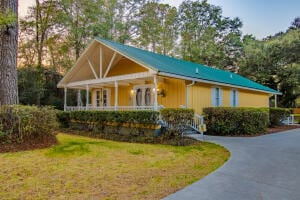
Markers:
point(18, 123)
point(277, 115)
point(236, 121)
point(63, 119)
point(177, 115)
point(139, 117)
point(98, 121)
point(297, 118)
point(129, 126)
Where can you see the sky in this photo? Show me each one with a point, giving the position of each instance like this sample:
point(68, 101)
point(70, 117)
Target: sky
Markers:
point(260, 17)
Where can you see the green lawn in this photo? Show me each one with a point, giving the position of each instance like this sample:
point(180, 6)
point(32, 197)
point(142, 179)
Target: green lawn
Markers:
point(85, 168)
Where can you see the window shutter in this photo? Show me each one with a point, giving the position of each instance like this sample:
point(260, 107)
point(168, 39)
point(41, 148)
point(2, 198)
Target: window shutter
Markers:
point(221, 97)
point(237, 98)
point(231, 98)
point(108, 96)
point(213, 97)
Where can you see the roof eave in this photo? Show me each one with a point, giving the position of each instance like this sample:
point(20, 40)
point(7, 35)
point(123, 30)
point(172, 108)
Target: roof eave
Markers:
point(214, 82)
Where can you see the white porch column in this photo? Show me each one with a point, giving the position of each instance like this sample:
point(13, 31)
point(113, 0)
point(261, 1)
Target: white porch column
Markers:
point(186, 97)
point(116, 95)
point(87, 97)
point(275, 100)
point(78, 98)
point(155, 93)
point(65, 98)
point(101, 61)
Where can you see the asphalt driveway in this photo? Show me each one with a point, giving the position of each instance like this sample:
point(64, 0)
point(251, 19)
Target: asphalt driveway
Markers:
point(260, 168)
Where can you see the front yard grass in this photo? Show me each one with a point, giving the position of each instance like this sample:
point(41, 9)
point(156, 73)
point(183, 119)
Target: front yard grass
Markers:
point(85, 168)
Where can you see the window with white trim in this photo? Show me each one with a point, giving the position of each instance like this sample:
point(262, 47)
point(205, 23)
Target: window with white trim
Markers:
point(216, 97)
point(102, 97)
point(98, 98)
point(234, 98)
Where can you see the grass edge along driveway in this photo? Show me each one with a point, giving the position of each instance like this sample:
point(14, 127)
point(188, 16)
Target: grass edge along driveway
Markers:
point(86, 168)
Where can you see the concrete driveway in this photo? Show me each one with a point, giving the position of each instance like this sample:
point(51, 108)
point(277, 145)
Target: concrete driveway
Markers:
point(260, 168)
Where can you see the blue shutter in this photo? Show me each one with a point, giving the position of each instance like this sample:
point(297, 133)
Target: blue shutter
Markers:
point(237, 98)
point(213, 97)
point(231, 98)
point(220, 97)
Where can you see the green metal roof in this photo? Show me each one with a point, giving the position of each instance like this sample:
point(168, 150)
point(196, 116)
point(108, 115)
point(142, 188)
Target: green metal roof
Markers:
point(166, 64)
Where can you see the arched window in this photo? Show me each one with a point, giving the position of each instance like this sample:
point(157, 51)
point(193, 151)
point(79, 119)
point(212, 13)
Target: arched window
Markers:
point(148, 97)
point(138, 97)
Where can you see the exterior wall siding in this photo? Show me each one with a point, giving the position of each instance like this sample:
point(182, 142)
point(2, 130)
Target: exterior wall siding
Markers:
point(175, 93)
point(200, 96)
point(253, 99)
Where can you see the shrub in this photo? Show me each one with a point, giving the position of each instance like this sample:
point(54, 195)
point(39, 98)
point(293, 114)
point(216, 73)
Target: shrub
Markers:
point(297, 118)
point(277, 115)
point(18, 123)
point(108, 121)
point(177, 120)
point(63, 119)
point(129, 126)
point(138, 117)
point(177, 115)
point(235, 121)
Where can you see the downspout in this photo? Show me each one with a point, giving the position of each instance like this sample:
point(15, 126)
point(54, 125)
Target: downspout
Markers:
point(187, 94)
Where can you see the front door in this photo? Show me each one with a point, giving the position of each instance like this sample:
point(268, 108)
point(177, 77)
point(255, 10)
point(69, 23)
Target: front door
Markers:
point(102, 97)
point(143, 95)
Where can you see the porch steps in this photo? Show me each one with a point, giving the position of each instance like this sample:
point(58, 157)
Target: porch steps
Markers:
point(193, 133)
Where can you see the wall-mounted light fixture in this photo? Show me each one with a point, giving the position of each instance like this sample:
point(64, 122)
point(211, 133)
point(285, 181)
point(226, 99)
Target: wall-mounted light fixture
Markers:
point(160, 92)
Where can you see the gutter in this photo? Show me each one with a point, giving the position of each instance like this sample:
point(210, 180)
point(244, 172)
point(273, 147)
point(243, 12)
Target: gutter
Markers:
point(187, 93)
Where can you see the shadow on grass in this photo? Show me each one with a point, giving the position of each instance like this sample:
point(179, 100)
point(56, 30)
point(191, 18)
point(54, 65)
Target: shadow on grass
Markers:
point(72, 148)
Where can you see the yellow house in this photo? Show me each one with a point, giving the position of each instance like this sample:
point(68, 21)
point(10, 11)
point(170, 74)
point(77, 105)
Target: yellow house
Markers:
point(121, 77)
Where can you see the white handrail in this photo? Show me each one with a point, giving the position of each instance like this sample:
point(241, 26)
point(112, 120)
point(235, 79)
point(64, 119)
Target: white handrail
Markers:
point(197, 123)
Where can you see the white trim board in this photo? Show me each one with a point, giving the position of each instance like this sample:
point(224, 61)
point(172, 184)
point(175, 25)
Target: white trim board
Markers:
point(109, 79)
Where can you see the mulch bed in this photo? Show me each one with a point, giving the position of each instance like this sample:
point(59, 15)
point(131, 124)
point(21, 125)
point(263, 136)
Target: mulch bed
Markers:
point(29, 144)
point(282, 128)
point(271, 130)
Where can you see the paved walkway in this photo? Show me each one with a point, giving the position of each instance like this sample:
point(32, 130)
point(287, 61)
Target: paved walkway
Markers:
point(260, 168)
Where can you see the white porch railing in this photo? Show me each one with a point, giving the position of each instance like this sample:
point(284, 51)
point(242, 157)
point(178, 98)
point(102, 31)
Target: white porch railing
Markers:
point(107, 108)
point(197, 122)
point(290, 120)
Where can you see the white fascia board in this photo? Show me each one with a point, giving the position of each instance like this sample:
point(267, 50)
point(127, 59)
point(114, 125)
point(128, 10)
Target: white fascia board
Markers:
point(110, 79)
point(213, 82)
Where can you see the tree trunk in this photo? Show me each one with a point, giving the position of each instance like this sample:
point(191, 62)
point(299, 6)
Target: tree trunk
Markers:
point(8, 56)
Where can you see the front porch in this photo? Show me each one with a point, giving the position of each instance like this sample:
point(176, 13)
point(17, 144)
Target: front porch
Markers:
point(139, 91)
